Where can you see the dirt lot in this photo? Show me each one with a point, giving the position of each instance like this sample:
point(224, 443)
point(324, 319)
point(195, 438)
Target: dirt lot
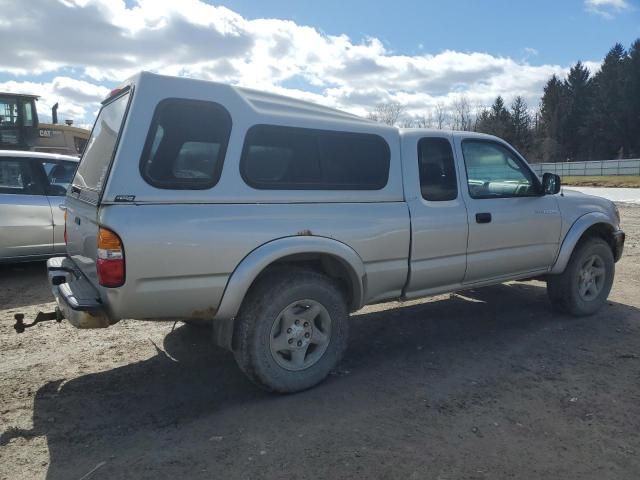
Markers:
point(487, 385)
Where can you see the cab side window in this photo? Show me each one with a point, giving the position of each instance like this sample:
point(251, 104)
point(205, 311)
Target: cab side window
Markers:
point(493, 171)
point(437, 169)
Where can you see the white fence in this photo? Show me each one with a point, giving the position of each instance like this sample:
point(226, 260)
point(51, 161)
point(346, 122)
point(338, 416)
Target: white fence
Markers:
point(596, 168)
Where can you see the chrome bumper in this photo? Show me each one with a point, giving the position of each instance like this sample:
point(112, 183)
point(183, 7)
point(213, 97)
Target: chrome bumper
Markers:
point(78, 300)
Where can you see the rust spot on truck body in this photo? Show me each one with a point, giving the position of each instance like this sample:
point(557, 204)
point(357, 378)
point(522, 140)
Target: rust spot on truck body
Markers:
point(206, 314)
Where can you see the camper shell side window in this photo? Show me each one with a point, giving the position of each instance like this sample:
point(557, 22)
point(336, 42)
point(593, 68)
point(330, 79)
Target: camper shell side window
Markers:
point(186, 145)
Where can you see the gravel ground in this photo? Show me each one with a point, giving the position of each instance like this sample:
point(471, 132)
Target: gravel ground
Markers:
point(489, 384)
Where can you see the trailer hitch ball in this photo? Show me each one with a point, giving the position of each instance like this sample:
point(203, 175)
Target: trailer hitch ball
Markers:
point(20, 326)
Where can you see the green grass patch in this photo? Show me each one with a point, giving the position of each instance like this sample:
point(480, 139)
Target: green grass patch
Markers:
point(625, 181)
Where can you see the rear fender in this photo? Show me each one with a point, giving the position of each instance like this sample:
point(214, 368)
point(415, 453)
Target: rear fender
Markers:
point(260, 258)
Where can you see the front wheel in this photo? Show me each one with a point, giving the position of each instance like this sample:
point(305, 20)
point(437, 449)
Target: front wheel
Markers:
point(291, 330)
point(586, 282)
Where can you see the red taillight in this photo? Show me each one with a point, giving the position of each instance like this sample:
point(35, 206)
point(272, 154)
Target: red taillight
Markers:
point(110, 261)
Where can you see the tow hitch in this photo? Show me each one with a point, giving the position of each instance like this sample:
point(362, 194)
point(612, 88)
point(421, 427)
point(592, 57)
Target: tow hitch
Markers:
point(20, 326)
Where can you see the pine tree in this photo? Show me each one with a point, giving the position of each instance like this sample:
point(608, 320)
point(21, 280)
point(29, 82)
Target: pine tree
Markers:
point(521, 125)
point(578, 88)
point(631, 113)
point(608, 127)
point(496, 121)
point(553, 109)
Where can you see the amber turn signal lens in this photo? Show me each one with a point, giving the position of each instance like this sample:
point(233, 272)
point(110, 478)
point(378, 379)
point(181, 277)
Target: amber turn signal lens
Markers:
point(110, 262)
point(107, 240)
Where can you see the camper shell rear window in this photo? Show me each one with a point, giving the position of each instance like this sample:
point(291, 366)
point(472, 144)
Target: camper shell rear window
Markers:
point(91, 176)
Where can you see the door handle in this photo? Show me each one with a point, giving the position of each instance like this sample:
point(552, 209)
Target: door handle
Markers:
point(483, 217)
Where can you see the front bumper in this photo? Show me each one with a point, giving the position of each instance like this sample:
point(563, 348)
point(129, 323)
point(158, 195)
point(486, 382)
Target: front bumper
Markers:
point(618, 246)
point(78, 300)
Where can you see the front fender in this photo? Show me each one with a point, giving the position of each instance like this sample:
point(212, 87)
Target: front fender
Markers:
point(574, 234)
point(255, 262)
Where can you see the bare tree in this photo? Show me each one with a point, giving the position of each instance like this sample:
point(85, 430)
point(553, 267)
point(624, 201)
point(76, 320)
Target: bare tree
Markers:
point(441, 116)
point(462, 115)
point(388, 113)
point(423, 121)
point(408, 122)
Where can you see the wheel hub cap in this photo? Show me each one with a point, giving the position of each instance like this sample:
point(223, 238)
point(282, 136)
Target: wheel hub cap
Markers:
point(591, 278)
point(300, 335)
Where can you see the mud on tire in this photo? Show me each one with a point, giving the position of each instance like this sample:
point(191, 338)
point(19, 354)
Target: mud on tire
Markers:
point(586, 282)
point(291, 330)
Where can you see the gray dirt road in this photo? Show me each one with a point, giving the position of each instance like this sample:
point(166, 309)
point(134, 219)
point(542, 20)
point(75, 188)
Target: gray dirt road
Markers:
point(486, 385)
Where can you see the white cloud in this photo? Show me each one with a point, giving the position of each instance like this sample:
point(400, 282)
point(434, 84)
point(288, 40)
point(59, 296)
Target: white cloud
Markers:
point(106, 41)
point(78, 100)
point(607, 8)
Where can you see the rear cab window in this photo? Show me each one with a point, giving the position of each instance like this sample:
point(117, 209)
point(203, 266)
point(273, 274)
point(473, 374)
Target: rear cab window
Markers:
point(91, 176)
point(437, 169)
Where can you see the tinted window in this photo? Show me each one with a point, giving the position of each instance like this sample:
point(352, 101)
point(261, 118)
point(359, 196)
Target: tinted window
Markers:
point(289, 158)
point(95, 162)
point(59, 174)
point(16, 177)
point(495, 171)
point(186, 144)
point(437, 170)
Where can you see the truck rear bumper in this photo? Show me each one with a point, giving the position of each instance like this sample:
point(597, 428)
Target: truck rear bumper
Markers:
point(76, 297)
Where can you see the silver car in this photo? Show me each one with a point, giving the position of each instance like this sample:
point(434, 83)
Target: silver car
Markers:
point(32, 187)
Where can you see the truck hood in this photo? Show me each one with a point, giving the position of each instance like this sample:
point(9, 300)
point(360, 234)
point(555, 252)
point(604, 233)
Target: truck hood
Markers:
point(574, 204)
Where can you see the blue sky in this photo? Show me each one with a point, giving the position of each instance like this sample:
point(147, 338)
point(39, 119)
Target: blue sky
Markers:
point(562, 31)
point(348, 54)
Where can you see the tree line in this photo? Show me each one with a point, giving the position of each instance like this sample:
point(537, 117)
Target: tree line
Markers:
point(580, 117)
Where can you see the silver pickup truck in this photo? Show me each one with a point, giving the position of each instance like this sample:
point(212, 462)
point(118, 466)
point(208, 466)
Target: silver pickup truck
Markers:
point(271, 219)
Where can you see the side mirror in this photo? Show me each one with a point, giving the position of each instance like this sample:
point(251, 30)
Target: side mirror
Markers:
point(550, 183)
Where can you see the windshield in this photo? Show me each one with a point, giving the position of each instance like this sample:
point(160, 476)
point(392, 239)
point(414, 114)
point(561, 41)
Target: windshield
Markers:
point(92, 172)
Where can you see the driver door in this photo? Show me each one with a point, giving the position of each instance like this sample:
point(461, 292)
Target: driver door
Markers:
point(514, 229)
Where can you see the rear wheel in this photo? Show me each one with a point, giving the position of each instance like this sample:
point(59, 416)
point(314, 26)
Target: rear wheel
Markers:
point(586, 282)
point(291, 330)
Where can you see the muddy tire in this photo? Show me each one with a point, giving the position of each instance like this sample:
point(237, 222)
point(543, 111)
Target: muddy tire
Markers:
point(586, 282)
point(292, 330)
